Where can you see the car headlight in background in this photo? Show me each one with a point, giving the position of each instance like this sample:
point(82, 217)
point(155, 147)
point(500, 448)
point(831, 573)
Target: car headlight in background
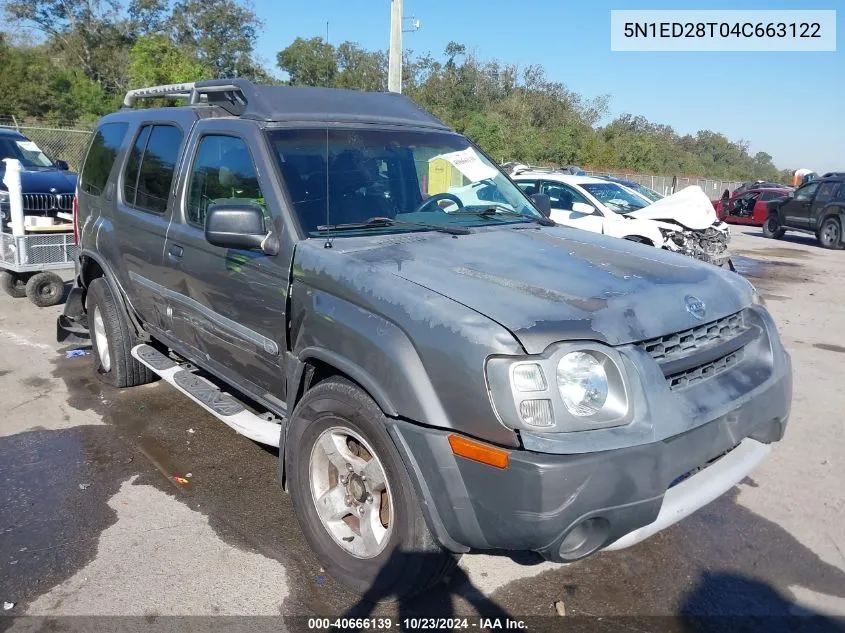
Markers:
point(586, 389)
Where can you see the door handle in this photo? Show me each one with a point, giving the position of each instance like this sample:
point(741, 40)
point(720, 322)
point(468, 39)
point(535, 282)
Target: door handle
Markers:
point(175, 252)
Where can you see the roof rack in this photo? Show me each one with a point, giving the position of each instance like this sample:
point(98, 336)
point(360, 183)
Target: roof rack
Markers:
point(229, 96)
point(246, 100)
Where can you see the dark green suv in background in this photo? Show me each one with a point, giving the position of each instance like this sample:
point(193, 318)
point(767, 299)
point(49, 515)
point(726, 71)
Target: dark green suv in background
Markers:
point(816, 207)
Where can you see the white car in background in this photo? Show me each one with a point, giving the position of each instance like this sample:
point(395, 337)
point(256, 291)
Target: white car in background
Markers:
point(684, 222)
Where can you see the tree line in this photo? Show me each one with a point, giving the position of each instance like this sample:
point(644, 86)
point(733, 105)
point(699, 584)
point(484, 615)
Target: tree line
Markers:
point(68, 62)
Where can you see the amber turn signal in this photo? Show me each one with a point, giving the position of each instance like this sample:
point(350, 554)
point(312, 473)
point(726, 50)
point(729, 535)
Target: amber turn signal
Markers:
point(479, 452)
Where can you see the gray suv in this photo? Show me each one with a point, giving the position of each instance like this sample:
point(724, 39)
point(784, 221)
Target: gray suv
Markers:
point(443, 369)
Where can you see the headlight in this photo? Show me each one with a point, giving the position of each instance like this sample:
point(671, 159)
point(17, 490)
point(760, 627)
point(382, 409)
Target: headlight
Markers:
point(676, 237)
point(582, 383)
point(586, 389)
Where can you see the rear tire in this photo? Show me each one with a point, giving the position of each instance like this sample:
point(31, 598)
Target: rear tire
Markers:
point(829, 234)
point(13, 284)
point(112, 340)
point(408, 559)
point(45, 289)
point(772, 228)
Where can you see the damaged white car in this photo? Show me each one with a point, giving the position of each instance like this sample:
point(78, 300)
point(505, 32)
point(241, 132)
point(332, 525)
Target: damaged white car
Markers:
point(684, 222)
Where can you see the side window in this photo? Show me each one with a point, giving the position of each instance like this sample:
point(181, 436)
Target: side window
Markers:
point(562, 196)
point(101, 156)
point(807, 191)
point(827, 191)
point(528, 186)
point(149, 170)
point(223, 172)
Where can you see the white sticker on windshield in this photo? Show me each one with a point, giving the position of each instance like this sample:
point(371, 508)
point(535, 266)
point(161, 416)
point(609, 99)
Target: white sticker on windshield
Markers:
point(468, 162)
point(28, 146)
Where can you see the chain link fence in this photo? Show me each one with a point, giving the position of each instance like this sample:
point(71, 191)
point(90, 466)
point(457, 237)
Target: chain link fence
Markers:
point(58, 143)
point(70, 144)
point(668, 184)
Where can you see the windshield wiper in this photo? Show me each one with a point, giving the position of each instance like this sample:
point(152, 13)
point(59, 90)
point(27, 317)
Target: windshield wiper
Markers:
point(494, 211)
point(383, 221)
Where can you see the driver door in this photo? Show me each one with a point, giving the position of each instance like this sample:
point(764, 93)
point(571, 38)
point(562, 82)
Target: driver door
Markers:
point(742, 208)
point(228, 304)
point(562, 198)
point(796, 210)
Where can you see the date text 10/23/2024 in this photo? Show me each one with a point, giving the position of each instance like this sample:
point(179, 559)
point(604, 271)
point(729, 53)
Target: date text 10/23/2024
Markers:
point(412, 624)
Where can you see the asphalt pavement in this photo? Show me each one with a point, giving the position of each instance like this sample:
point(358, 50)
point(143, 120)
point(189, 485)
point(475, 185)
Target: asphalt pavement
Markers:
point(92, 521)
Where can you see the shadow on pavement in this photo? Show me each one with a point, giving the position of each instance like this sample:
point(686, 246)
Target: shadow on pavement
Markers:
point(733, 602)
point(437, 601)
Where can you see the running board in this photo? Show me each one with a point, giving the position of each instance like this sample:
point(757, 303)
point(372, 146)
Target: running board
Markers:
point(210, 397)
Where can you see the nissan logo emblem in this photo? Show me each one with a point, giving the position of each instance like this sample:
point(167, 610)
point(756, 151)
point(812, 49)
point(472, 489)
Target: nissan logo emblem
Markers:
point(695, 307)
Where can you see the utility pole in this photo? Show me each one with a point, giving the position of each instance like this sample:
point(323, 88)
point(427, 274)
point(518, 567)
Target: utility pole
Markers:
point(394, 61)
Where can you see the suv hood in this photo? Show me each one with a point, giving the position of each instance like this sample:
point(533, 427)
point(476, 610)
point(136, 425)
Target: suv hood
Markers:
point(551, 284)
point(689, 207)
point(38, 181)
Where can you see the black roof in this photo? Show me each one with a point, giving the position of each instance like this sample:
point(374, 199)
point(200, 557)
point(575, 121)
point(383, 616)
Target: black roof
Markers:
point(246, 100)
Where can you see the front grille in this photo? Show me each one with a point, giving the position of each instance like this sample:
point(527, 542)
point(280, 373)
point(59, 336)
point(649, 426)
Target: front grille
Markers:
point(703, 372)
point(47, 202)
point(688, 342)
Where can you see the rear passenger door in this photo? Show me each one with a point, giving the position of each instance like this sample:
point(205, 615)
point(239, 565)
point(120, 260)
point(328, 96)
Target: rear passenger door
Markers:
point(229, 305)
point(144, 204)
point(827, 192)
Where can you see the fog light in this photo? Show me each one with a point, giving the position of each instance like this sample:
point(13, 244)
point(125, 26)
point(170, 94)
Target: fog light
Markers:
point(536, 412)
point(529, 377)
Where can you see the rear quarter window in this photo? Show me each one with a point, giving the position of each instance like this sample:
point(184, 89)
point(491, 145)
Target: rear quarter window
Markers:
point(101, 156)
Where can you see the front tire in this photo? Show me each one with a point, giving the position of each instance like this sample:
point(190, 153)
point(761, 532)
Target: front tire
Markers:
point(354, 499)
point(45, 289)
point(830, 234)
point(112, 340)
point(772, 228)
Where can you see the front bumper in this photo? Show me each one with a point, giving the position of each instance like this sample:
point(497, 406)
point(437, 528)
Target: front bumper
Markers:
point(566, 506)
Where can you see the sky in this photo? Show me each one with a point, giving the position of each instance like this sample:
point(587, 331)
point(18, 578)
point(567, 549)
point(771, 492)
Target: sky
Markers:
point(789, 104)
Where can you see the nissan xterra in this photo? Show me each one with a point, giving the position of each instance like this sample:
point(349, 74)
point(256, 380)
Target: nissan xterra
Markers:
point(443, 369)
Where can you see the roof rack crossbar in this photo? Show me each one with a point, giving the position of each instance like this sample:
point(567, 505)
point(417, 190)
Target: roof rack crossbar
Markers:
point(169, 90)
point(191, 91)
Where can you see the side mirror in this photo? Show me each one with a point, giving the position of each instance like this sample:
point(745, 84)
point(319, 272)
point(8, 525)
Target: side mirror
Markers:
point(61, 165)
point(542, 203)
point(239, 226)
point(583, 207)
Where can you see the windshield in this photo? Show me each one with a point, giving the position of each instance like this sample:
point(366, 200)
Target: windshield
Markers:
point(346, 177)
point(616, 197)
point(27, 152)
point(651, 194)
